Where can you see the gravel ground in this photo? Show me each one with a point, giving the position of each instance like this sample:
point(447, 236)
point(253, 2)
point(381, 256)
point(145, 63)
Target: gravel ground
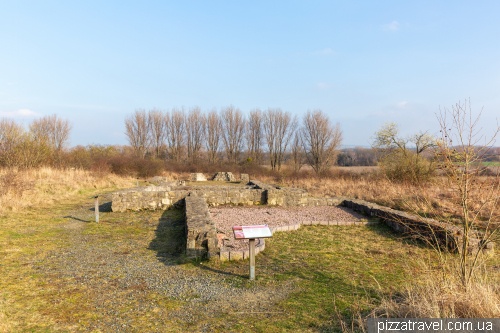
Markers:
point(227, 217)
point(124, 271)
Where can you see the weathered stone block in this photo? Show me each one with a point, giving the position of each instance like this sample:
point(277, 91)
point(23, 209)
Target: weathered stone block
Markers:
point(224, 177)
point(197, 177)
point(224, 255)
point(245, 178)
point(236, 255)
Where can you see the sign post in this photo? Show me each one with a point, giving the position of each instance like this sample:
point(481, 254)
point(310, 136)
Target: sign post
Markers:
point(251, 251)
point(96, 207)
point(251, 233)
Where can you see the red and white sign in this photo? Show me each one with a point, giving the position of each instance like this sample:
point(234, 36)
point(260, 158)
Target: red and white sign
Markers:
point(252, 231)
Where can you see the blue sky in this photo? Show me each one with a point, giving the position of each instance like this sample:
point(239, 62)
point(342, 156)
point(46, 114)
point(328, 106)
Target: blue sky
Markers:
point(361, 62)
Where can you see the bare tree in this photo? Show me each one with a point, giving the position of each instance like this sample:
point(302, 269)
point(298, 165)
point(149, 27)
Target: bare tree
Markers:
point(53, 130)
point(137, 130)
point(254, 135)
point(195, 133)
point(233, 123)
point(158, 130)
point(320, 139)
point(278, 127)
point(20, 148)
point(461, 152)
point(176, 128)
point(10, 136)
point(213, 135)
point(297, 152)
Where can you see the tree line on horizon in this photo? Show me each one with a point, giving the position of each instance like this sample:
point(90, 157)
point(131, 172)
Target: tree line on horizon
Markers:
point(272, 136)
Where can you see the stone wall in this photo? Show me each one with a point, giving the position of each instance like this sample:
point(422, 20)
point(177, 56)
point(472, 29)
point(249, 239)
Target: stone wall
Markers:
point(245, 178)
point(197, 177)
point(201, 234)
point(201, 229)
point(157, 180)
point(431, 230)
point(162, 197)
point(223, 177)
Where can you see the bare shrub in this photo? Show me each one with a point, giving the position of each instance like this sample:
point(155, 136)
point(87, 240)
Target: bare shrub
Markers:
point(321, 140)
point(278, 127)
point(475, 197)
point(31, 152)
point(11, 135)
point(148, 168)
point(398, 161)
point(233, 124)
point(13, 183)
point(137, 130)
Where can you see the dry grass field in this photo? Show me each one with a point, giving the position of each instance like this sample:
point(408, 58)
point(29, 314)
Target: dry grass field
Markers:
point(63, 272)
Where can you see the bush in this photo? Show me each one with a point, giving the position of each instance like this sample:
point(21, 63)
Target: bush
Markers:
point(407, 167)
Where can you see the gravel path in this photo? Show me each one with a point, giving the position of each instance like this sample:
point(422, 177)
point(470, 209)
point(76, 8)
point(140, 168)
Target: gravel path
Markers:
point(227, 217)
point(118, 272)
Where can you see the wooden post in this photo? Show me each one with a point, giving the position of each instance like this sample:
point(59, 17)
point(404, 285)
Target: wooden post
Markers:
point(251, 251)
point(137, 181)
point(97, 209)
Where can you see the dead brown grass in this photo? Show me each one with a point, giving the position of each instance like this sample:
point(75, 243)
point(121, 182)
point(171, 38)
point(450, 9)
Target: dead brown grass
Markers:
point(443, 296)
point(44, 186)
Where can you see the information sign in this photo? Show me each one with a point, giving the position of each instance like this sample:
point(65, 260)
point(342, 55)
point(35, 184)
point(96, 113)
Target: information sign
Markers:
point(252, 231)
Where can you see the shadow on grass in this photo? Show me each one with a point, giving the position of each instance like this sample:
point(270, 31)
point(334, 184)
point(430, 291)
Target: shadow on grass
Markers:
point(103, 208)
point(169, 241)
point(76, 219)
point(204, 267)
point(384, 230)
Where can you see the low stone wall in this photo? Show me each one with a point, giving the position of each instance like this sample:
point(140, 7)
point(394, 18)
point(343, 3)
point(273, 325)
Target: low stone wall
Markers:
point(445, 234)
point(245, 178)
point(201, 234)
point(157, 180)
point(223, 177)
point(162, 197)
point(168, 194)
point(202, 230)
point(197, 177)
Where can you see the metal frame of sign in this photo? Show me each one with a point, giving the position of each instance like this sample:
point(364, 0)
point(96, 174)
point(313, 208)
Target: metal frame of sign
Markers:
point(252, 232)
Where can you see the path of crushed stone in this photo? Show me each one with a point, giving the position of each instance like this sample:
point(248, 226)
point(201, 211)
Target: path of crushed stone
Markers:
point(117, 272)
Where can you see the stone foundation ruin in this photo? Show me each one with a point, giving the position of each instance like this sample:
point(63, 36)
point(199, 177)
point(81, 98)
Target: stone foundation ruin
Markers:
point(197, 177)
point(223, 177)
point(201, 233)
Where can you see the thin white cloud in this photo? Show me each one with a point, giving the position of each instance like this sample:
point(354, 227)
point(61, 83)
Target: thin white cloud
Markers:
point(402, 104)
point(10, 83)
point(21, 113)
point(327, 51)
point(393, 26)
point(322, 85)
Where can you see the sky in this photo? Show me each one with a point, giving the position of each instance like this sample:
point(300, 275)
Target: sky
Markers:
point(363, 63)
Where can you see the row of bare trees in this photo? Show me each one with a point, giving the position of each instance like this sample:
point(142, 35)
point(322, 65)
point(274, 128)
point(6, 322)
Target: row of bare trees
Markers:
point(42, 143)
point(182, 135)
